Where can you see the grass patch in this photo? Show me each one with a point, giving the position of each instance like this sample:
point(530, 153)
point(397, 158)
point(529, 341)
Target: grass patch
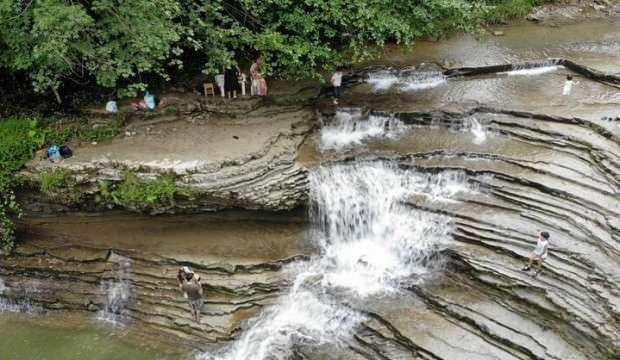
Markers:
point(60, 131)
point(500, 11)
point(614, 353)
point(51, 181)
point(143, 195)
point(103, 132)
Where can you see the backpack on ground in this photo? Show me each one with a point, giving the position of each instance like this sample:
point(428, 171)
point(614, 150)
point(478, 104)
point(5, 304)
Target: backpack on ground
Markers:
point(65, 152)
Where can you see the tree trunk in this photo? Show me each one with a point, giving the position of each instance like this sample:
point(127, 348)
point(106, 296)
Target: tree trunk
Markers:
point(58, 99)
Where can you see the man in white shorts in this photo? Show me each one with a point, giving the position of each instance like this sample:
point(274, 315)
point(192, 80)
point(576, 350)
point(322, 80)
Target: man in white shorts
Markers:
point(540, 252)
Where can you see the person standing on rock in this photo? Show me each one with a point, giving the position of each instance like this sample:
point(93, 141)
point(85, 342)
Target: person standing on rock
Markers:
point(231, 81)
point(189, 283)
point(540, 252)
point(336, 81)
point(568, 85)
point(219, 80)
point(254, 76)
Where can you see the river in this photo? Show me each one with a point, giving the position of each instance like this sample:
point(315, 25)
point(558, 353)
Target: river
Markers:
point(425, 196)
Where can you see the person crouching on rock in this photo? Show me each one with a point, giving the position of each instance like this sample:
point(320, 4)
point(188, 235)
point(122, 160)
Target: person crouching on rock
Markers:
point(189, 283)
point(540, 252)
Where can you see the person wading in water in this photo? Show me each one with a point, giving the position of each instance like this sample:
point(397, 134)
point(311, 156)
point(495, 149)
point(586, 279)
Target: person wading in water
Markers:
point(189, 283)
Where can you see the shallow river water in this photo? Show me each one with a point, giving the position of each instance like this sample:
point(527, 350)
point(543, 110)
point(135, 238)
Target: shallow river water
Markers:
point(425, 196)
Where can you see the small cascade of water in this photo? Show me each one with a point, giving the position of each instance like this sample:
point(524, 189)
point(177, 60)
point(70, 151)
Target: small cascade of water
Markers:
point(530, 69)
point(423, 80)
point(117, 292)
point(406, 81)
point(23, 305)
point(371, 244)
point(351, 128)
point(477, 130)
point(382, 80)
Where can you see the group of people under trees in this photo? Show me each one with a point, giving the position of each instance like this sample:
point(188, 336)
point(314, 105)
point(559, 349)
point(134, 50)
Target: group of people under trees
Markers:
point(232, 81)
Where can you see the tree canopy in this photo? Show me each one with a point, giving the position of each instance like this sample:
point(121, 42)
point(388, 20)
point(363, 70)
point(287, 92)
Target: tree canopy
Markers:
point(117, 43)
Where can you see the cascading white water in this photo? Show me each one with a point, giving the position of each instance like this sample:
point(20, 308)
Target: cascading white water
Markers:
point(534, 69)
point(117, 292)
point(477, 130)
point(350, 128)
point(384, 80)
point(423, 80)
point(371, 244)
point(23, 305)
point(371, 240)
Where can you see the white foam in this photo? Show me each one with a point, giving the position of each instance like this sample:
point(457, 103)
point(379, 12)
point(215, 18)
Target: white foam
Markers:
point(117, 293)
point(21, 305)
point(477, 130)
point(533, 71)
point(422, 80)
point(382, 80)
point(371, 243)
point(351, 129)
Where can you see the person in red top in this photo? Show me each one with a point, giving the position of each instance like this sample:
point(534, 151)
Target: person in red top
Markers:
point(254, 75)
point(259, 85)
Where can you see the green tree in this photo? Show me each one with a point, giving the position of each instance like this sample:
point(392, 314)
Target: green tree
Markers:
point(124, 44)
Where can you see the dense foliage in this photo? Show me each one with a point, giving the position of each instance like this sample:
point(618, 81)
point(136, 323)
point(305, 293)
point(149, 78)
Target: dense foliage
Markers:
point(126, 44)
point(19, 138)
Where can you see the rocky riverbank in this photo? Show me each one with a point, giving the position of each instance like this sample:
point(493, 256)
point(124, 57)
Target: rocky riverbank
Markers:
point(214, 161)
point(491, 152)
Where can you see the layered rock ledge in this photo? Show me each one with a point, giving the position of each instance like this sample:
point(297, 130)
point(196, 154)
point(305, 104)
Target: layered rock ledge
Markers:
point(246, 161)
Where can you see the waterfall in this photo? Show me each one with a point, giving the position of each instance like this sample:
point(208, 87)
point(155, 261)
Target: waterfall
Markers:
point(477, 130)
point(350, 128)
point(23, 305)
point(423, 80)
point(371, 244)
point(382, 80)
point(406, 81)
point(117, 291)
point(529, 69)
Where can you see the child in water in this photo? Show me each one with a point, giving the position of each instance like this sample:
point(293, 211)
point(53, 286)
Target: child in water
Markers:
point(568, 85)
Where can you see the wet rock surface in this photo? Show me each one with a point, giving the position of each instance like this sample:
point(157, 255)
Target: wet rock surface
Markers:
point(68, 269)
point(537, 161)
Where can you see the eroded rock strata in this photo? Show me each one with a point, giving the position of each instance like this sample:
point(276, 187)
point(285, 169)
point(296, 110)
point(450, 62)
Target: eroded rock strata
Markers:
point(217, 164)
point(534, 172)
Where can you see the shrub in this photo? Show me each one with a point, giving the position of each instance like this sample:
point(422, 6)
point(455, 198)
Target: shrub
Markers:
point(498, 11)
point(19, 138)
point(60, 131)
point(51, 181)
point(134, 193)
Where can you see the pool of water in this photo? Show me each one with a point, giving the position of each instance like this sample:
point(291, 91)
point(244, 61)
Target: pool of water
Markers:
point(62, 337)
